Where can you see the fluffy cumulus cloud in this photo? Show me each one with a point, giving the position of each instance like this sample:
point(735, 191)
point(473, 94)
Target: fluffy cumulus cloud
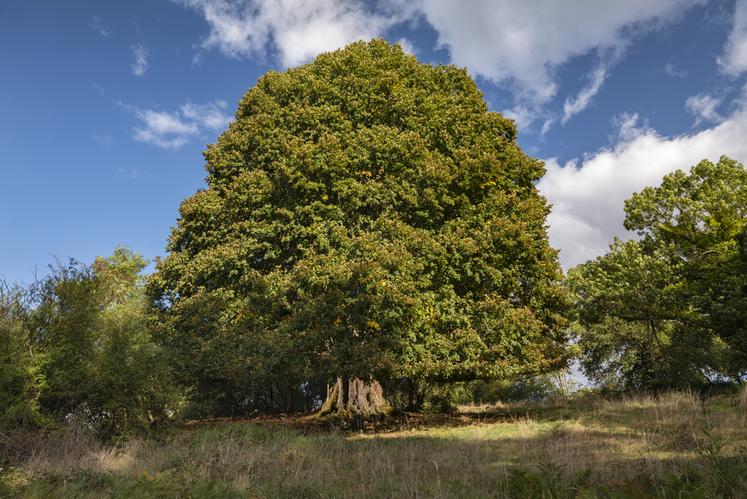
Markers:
point(525, 42)
point(408, 46)
point(525, 115)
point(511, 42)
point(734, 59)
point(210, 116)
point(587, 195)
point(173, 130)
point(292, 31)
point(704, 107)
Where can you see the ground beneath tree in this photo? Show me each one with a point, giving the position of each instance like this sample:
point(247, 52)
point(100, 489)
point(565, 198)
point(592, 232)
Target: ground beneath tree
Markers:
point(631, 447)
point(404, 421)
point(466, 415)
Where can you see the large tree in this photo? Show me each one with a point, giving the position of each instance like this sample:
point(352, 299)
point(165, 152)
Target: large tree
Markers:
point(670, 310)
point(365, 217)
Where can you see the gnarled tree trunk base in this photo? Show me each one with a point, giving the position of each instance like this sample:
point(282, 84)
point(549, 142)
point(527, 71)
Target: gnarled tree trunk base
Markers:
point(355, 398)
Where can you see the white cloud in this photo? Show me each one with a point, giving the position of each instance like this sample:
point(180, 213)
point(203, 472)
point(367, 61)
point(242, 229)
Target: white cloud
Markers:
point(588, 195)
point(131, 173)
point(211, 116)
point(408, 46)
point(571, 107)
point(546, 126)
point(523, 115)
point(704, 108)
point(524, 42)
point(293, 31)
point(97, 24)
point(511, 42)
point(734, 59)
point(674, 72)
point(103, 139)
point(165, 130)
point(140, 65)
point(629, 127)
point(173, 130)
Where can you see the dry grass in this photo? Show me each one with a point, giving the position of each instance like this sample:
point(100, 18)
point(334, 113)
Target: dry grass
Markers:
point(617, 440)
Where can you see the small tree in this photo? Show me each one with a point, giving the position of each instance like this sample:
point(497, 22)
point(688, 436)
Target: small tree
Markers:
point(131, 386)
point(89, 335)
point(63, 329)
point(19, 380)
point(365, 218)
point(670, 310)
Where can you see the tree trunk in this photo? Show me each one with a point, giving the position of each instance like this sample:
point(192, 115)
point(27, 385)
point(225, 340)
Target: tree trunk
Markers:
point(354, 397)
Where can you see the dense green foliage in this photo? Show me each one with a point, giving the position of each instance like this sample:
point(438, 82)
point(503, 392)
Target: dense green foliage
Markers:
point(18, 403)
point(78, 346)
point(670, 310)
point(365, 215)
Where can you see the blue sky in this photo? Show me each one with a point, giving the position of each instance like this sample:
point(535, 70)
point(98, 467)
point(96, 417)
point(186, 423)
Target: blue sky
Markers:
point(106, 106)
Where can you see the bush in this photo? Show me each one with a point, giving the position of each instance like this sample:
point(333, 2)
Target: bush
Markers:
point(442, 399)
point(77, 347)
point(531, 389)
point(19, 383)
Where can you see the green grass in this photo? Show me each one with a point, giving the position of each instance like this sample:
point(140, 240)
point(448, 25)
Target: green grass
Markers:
point(669, 446)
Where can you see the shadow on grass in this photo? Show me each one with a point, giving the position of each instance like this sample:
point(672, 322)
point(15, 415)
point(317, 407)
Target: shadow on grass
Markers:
point(596, 452)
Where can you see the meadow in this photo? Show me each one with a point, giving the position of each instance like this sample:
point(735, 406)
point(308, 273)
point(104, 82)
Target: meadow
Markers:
point(671, 445)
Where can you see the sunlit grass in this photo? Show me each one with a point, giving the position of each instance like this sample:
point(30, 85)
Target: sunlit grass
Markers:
point(606, 443)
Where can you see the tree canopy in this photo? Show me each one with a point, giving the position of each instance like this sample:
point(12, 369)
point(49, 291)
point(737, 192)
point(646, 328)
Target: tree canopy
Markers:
point(670, 310)
point(365, 215)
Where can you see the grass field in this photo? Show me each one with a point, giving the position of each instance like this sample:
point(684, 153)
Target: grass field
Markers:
point(674, 445)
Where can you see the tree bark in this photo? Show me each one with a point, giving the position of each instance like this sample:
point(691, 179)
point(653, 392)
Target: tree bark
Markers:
point(354, 397)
